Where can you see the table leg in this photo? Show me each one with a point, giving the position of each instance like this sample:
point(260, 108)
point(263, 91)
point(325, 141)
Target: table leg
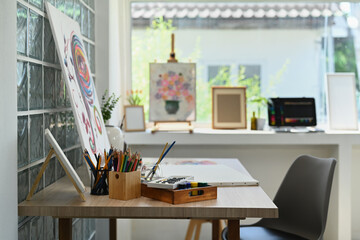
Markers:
point(234, 229)
point(112, 226)
point(216, 229)
point(65, 228)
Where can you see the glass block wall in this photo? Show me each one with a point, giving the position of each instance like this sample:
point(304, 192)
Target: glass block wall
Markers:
point(42, 102)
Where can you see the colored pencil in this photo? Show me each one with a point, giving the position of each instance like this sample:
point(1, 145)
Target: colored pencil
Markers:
point(119, 162)
point(88, 160)
point(134, 165)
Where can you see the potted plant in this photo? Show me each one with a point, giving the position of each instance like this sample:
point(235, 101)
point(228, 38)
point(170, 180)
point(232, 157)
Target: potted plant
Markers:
point(260, 102)
point(115, 134)
point(108, 105)
point(133, 97)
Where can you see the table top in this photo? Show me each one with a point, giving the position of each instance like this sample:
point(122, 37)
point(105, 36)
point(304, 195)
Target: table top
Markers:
point(61, 200)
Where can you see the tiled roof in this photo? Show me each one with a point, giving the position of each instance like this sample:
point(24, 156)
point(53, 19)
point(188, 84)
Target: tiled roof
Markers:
point(233, 10)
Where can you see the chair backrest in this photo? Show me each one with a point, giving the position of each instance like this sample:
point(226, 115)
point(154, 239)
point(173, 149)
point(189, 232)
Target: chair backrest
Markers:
point(303, 198)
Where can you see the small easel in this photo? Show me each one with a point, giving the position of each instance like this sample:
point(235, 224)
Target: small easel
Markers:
point(42, 170)
point(172, 53)
point(176, 126)
point(173, 126)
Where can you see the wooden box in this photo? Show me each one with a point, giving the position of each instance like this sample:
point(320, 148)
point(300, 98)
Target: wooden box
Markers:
point(179, 196)
point(124, 185)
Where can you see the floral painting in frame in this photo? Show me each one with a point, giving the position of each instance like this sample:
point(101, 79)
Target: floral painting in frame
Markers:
point(172, 92)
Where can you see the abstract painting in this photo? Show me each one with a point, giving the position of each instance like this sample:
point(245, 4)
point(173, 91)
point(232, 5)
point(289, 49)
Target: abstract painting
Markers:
point(172, 92)
point(79, 83)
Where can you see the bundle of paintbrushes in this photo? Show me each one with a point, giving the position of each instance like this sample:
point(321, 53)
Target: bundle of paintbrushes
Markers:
point(126, 161)
point(100, 172)
point(165, 151)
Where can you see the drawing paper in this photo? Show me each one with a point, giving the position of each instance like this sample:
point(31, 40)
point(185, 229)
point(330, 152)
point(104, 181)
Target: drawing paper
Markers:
point(216, 175)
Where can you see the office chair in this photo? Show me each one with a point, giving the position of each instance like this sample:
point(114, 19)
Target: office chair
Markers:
point(302, 200)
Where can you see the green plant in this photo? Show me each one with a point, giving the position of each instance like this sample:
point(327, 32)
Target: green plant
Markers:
point(260, 102)
point(133, 97)
point(108, 105)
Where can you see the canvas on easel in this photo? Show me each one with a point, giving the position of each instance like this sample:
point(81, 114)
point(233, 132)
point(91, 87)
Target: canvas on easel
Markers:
point(69, 170)
point(79, 82)
point(172, 93)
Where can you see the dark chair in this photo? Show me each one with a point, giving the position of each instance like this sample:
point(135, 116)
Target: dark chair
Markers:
point(302, 200)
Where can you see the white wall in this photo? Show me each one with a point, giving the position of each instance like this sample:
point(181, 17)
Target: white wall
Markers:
point(8, 121)
point(107, 53)
point(102, 46)
point(115, 76)
point(355, 180)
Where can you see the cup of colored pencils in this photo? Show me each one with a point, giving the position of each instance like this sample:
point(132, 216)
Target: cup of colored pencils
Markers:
point(125, 180)
point(126, 162)
point(100, 171)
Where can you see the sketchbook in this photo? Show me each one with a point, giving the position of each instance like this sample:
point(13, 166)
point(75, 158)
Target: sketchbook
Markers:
point(215, 175)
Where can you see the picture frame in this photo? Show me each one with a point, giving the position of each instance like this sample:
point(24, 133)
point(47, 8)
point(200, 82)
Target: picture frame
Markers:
point(228, 107)
point(341, 92)
point(172, 92)
point(134, 118)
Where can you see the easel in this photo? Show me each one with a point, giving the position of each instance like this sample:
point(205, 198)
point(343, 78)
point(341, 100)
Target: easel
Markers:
point(176, 126)
point(172, 53)
point(187, 124)
point(42, 170)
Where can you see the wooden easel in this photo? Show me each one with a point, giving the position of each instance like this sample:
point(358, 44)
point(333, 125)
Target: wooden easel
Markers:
point(42, 170)
point(172, 53)
point(176, 126)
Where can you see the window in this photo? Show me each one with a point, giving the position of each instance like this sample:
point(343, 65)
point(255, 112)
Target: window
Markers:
point(215, 70)
point(275, 49)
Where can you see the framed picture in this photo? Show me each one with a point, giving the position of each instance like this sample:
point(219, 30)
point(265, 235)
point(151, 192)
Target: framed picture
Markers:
point(134, 118)
point(172, 92)
point(229, 107)
point(342, 107)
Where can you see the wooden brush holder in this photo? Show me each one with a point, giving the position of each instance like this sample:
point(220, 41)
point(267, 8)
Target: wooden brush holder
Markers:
point(124, 185)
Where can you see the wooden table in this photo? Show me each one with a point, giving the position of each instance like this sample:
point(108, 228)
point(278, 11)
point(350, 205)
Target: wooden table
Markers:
point(60, 200)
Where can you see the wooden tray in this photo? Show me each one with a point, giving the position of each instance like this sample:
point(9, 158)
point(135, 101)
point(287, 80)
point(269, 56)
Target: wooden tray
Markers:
point(179, 196)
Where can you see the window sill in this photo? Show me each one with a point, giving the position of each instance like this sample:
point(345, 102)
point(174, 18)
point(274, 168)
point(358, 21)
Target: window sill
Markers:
point(208, 136)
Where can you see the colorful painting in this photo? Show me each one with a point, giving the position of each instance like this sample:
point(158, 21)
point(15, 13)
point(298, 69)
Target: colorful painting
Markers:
point(172, 92)
point(79, 82)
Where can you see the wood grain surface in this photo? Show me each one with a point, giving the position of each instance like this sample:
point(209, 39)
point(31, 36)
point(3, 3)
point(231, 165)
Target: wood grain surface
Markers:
point(61, 200)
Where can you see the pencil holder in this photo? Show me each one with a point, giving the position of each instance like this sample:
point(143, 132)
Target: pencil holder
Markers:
point(99, 182)
point(124, 185)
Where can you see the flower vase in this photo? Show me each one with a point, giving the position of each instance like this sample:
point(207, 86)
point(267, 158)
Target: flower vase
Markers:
point(171, 106)
point(260, 123)
point(116, 136)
